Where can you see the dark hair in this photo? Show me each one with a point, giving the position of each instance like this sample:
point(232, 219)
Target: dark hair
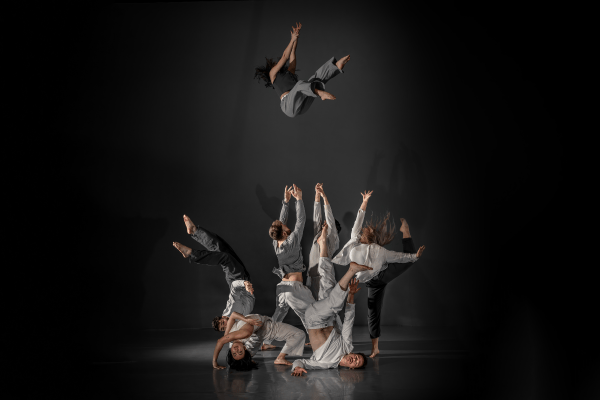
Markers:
point(262, 72)
point(338, 226)
point(364, 360)
point(276, 230)
point(244, 364)
point(378, 231)
point(215, 323)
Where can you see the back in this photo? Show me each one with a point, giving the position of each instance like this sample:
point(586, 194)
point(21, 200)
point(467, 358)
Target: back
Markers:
point(284, 82)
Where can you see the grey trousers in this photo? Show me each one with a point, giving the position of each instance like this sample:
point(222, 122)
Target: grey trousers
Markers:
point(331, 299)
point(293, 337)
point(302, 95)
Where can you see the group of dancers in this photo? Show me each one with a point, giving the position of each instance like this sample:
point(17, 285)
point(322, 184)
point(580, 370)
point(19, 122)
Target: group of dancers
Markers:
point(317, 302)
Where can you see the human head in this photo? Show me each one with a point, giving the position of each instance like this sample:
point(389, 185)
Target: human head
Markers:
point(240, 359)
point(378, 231)
point(219, 323)
point(354, 360)
point(262, 73)
point(279, 231)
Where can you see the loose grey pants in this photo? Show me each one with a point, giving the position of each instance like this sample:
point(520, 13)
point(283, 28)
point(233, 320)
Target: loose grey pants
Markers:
point(293, 337)
point(318, 314)
point(302, 95)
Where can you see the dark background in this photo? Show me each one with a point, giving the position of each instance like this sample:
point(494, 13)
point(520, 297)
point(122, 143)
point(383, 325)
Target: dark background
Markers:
point(452, 115)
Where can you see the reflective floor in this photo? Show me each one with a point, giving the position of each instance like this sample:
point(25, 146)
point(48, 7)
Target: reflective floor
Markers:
point(176, 364)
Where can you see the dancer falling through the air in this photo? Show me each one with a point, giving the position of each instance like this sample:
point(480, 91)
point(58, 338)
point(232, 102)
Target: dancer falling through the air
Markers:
point(219, 253)
point(246, 333)
point(296, 96)
point(365, 247)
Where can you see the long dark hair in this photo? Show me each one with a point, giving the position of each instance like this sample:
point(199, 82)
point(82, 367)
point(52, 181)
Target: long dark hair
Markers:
point(262, 72)
point(243, 364)
point(378, 231)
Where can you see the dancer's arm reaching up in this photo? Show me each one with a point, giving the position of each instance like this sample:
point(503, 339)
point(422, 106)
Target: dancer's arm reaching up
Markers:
point(317, 216)
point(286, 54)
point(343, 257)
point(292, 66)
point(300, 214)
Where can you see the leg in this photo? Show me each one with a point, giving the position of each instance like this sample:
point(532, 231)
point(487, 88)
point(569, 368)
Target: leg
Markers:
point(376, 291)
point(299, 98)
point(394, 270)
point(232, 268)
point(294, 342)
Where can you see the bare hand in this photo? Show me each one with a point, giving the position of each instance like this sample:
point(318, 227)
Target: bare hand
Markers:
point(253, 322)
point(320, 190)
point(366, 195)
point(287, 194)
point(323, 238)
point(217, 366)
point(297, 192)
point(249, 287)
point(296, 31)
point(353, 287)
point(298, 371)
point(420, 251)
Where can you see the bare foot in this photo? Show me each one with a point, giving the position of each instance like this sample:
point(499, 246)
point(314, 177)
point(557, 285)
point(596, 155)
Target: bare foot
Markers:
point(191, 228)
point(354, 267)
point(340, 64)
point(404, 229)
point(374, 352)
point(267, 347)
point(326, 95)
point(282, 361)
point(186, 251)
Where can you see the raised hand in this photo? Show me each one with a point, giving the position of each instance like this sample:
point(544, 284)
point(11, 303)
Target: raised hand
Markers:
point(287, 194)
point(420, 251)
point(249, 287)
point(353, 287)
point(320, 190)
point(298, 371)
point(366, 195)
point(297, 192)
point(295, 32)
point(323, 238)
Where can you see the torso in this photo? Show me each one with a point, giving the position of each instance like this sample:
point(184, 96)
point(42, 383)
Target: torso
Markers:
point(293, 276)
point(318, 337)
point(283, 95)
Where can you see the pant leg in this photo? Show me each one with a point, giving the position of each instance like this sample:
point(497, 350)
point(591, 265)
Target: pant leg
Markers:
point(376, 291)
point(326, 72)
point(320, 313)
point(299, 98)
point(327, 274)
point(293, 337)
point(394, 270)
point(214, 242)
point(232, 268)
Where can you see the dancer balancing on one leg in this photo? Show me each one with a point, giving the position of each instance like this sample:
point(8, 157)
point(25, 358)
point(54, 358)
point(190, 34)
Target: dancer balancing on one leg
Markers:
point(246, 333)
point(296, 96)
point(219, 253)
point(365, 247)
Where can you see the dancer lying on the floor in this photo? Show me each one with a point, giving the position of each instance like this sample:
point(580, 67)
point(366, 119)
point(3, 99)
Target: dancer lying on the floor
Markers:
point(296, 295)
point(365, 247)
point(296, 96)
point(246, 333)
point(330, 348)
point(219, 253)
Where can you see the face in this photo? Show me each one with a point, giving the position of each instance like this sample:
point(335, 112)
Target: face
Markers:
point(352, 361)
point(223, 323)
point(238, 350)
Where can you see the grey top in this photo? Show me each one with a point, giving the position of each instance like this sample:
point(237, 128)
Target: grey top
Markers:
point(240, 300)
point(254, 341)
point(284, 82)
point(289, 254)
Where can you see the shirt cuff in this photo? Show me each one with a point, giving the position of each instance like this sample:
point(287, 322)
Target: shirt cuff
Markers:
point(350, 306)
point(284, 203)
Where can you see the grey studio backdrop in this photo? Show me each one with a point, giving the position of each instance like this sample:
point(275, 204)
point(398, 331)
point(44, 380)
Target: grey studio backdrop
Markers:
point(175, 124)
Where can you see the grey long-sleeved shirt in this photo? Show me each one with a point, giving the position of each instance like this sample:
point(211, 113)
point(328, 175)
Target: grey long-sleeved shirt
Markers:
point(240, 300)
point(289, 254)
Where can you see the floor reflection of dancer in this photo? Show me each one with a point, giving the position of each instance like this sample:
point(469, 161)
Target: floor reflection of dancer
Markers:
point(330, 348)
point(296, 96)
point(365, 247)
point(246, 333)
point(219, 253)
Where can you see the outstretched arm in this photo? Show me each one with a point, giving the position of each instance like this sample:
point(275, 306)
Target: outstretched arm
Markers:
point(300, 213)
point(287, 195)
point(349, 314)
point(317, 216)
point(292, 67)
point(285, 56)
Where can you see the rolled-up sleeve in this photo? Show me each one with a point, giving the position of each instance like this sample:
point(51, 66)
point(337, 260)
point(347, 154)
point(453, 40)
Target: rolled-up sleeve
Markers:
point(397, 257)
